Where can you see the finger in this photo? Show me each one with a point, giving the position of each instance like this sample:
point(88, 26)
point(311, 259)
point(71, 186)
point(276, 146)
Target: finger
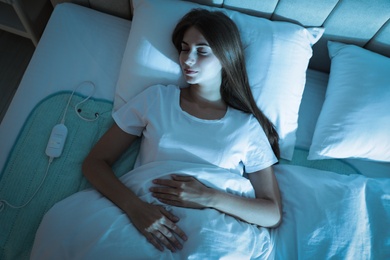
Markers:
point(179, 232)
point(177, 177)
point(175, 228)
point(171, 199)
point(151, 239)
point(171, 202)
point(165, 237)
point(158, 234)
point(164, 182)
point(169, 215)
point(172, 196)
point(163, 190)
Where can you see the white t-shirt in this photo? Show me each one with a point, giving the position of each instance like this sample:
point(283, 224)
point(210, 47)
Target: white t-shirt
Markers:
point(235, 142)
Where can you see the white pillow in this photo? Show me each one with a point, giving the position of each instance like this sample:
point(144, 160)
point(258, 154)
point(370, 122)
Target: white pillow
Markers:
point(277, 56)
point(355, 118)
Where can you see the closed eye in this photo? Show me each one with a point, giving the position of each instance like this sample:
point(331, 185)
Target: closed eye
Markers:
point(202, 48)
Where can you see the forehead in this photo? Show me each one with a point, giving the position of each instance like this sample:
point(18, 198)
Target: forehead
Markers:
point(194, 36)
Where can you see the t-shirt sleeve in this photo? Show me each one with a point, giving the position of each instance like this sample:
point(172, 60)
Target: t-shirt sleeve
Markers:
point(132, 116)
point(259, 153)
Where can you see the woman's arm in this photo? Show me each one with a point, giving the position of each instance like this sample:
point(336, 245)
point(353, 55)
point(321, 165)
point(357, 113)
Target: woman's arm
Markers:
point(97, 166)
point(154, 222)
point(264, 210)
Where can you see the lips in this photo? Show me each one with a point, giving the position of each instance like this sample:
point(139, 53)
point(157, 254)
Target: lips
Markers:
point(190, 72)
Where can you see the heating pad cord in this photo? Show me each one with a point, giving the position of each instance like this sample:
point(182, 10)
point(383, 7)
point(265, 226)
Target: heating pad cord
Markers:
point(77, 111)
point(4, 202)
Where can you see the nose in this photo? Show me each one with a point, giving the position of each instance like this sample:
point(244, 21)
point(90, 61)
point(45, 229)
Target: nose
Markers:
point(190, 59)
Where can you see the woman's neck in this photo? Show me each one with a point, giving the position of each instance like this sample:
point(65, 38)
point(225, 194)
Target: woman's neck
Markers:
point(202, 94)
point(202, 103)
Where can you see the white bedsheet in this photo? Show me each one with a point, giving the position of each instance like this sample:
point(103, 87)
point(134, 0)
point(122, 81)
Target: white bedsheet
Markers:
point(78, 44)
point(331, 216)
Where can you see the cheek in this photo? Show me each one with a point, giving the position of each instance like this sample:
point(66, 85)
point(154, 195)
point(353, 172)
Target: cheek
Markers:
point(214, 62)
point(218, 65)
point(213, 66)
point(181, 59)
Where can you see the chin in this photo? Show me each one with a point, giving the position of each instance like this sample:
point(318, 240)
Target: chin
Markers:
point(190, 80)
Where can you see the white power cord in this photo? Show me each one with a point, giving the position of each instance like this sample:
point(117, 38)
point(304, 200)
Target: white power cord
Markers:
point(76, 109)
point(4, 202)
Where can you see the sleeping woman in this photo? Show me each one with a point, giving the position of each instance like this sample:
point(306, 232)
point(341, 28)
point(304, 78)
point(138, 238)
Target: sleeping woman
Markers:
point(186, 197)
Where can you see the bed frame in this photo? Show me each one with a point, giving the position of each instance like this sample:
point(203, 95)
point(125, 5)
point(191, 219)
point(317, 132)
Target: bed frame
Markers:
point(344, 20)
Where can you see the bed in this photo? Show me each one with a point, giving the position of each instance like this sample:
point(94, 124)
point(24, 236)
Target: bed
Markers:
point(324, 65)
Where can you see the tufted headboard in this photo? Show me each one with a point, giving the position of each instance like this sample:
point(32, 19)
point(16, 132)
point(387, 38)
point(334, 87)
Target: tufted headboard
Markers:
point(365, 23)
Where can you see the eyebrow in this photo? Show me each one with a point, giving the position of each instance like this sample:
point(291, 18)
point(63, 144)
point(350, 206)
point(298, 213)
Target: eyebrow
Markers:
point(199, 44)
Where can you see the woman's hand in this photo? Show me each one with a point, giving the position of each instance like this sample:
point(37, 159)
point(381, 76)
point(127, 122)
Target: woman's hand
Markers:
point(264, 210)
point(182, 191)
point(158, 226)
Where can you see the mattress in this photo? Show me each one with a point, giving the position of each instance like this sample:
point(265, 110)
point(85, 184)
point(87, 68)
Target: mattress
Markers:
point(79, 44)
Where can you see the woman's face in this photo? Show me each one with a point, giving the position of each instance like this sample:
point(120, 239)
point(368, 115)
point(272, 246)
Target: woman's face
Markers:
point(197, 60)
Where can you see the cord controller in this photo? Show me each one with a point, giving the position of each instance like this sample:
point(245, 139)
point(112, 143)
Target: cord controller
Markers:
point(56, 141)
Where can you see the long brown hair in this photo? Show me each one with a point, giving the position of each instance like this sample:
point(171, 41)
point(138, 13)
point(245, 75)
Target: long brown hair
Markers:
point(224, 39)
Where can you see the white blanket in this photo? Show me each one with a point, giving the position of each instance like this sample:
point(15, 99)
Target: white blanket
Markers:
point(331, 216)
point(88, 226)
point(325, 216)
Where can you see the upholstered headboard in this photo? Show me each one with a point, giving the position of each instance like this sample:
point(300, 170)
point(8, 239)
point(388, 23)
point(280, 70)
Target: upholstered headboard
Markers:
point(365, 23)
